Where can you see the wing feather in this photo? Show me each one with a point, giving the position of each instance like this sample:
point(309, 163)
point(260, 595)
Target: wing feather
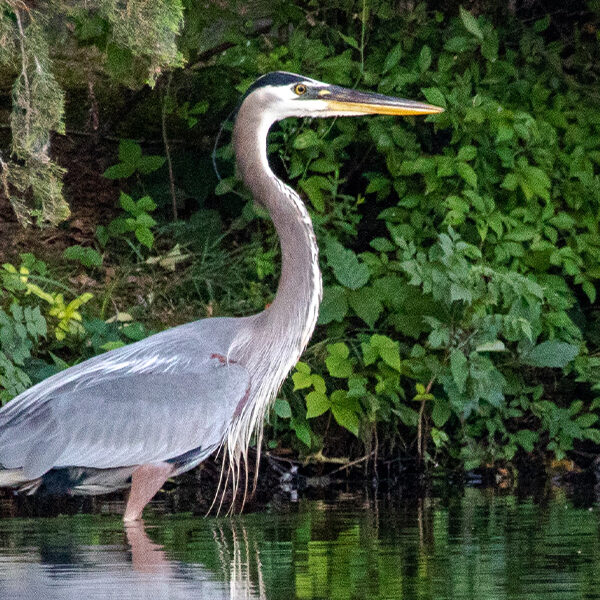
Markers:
point(147, 402)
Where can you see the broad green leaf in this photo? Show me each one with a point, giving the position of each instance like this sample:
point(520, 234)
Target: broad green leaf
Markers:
point(408, 416)
point(590, 290)
point(553, 353)
point(337, 362)
point(467, 153)
point(575, 407)
point(318, 383)
point(102, 235)
point(225, 186)
point(460, 369)
point(495, 346)
point(489, 46)
point(470, 23)
point(323, 165)
point(563, 220)
point(441, 412)
point(542, 24)
point(118, 226)
point(434, 96)
point(148, 164)
point(301, 380)
point(35, 322)
point(357, 386)
point(334, 306)
point(439, 437)
point(424, 61)
point(521, 233)
point(144, 236)
point(535, 182)
point(370, 353)
point(366, 304)
point(127, 203)
point(112, 345)
point(586, 420)
point(510, 182)
point(346, 418)
point(134, 331)
point(119, 171)
point(387, 350)
point(378, 184)
point(346, 267)
point(146, 204)
point(129, 152)
point(381, 244)
point(592, 434)
point(88, 257)
point(144, 220)
point(282, 408)
point(316, 404)
point(459, 43)
point(306, 139)
point(526, 438)
point(314, 187)
point(467, 172)
point(349, 40)
point(393, 57)
point(302, 431)
point(339, 350)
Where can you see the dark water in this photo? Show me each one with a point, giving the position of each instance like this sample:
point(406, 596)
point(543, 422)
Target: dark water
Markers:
point(477, 546)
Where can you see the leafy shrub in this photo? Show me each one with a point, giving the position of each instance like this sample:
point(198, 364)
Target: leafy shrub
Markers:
point(38, 325)
point(460, 252)
point(487, 254)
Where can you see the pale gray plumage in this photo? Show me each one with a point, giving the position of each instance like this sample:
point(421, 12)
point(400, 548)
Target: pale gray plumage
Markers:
point(130, 406)
point(171, 399)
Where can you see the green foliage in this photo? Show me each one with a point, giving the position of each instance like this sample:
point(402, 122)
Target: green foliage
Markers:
point(88, 257)
point(38, 324)
point(136, 41)
point(137, 221)
point(460, 251)
point(132, 160)
point(488, 251)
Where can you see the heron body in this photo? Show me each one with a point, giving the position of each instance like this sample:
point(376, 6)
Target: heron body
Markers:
point(156, 408)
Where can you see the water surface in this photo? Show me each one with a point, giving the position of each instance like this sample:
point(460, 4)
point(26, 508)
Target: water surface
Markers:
point(480, 545)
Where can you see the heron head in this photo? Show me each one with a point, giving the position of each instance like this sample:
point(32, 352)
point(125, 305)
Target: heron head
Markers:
point(285, 95)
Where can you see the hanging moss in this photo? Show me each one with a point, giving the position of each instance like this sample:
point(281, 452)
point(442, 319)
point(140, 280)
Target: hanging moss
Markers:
point(138, 29)
point(147, 29)
point(32, 181)
point(7, 37)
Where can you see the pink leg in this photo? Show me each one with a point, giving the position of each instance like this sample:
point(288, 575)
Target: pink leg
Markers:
point(146, 556)
point(146, 480)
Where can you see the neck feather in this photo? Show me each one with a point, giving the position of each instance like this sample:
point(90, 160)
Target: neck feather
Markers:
point(272, 341)
point(291, 318)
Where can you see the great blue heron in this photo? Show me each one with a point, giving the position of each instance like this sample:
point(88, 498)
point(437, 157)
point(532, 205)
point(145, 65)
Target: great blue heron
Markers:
point(145, 412)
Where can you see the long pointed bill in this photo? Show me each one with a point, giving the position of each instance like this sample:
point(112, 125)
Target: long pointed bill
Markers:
point(346, 100)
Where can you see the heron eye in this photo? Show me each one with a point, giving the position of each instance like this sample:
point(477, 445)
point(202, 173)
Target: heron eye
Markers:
point(299, 89)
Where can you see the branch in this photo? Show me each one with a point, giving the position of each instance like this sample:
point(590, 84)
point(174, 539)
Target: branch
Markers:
point(24, 69)
point(352, 463)
point(167, 149)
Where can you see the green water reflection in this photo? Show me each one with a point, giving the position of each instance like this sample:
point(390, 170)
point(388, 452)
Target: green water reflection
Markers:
point(478, 546)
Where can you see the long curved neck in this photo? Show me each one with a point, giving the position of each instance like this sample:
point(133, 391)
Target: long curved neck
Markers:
point(293, 313)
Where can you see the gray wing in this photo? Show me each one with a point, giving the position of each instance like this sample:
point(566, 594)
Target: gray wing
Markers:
point(148, 402)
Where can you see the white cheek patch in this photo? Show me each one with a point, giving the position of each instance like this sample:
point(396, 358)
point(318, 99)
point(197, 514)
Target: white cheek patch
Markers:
point(283, 102)
point(304, 108)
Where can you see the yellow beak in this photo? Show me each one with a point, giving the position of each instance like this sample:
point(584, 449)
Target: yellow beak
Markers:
point(341, 99)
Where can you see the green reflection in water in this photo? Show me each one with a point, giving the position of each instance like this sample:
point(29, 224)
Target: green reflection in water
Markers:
point(479, 546)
